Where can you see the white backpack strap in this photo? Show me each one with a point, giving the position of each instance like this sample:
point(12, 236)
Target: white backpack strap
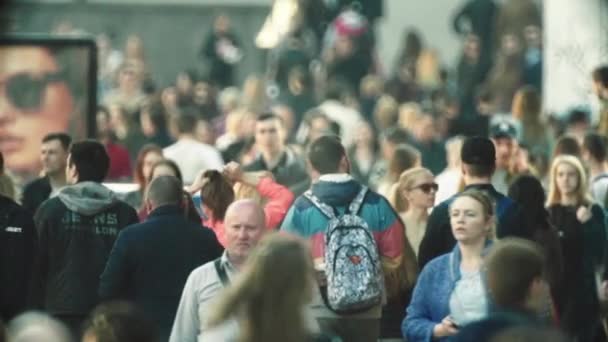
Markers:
point(355, 205)
point(325, 209)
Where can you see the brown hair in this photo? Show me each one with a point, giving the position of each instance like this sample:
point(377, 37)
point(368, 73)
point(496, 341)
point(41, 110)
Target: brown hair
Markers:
point(511, 266)
point(404, 158)
point(405, 183)
point(138, 173)
point(487, 205)
point(271, 292)
point(216, 193)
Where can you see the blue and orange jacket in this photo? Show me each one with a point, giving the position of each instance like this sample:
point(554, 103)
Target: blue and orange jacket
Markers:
point(305, 220)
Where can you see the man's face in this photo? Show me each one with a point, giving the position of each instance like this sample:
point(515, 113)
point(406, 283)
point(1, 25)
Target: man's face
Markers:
point(243, 228)
point(34, 101)
point(53, 157)
point(505, 147)
point(71, 175)
point(268, 135)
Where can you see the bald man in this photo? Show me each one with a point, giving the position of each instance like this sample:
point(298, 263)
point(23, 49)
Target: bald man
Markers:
point(151, 261)
point(244, 226)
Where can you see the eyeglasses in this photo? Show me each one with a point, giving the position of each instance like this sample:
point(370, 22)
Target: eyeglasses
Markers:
point(25, 91)
point(427, 187)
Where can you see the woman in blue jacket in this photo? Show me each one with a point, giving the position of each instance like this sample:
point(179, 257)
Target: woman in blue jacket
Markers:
point(450, 291)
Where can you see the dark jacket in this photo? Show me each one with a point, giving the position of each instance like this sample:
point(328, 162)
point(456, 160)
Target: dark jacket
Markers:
point(583, 247)
point(289, 172)
point(438, 238)
point(485, 329)
point(151, 261)
point(35, 193)
point(77, 230)
point(17, 250)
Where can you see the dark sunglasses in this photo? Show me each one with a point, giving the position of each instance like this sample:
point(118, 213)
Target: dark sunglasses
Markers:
point(26, 91)
point(427, 187)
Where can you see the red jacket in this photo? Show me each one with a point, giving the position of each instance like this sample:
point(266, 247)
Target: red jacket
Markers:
point(279, 200)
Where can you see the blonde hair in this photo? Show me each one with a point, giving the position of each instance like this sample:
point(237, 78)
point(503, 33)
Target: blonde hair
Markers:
point(409, 115)
point(405, 183)
point(386, 112)
point(269, 296)
point(246, 191)
point(488, 207)
point(555, 195)
point(427, 69)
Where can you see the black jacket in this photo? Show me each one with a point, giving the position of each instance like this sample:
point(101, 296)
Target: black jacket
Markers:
point(35, 193)
point(289, 172)
point(17, 250)
point(438, 238)
point(76, 230)
point(151, 261)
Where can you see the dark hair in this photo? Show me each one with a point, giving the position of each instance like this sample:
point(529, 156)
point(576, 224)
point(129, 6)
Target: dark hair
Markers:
point(578, 115)
point(90, 159)
point(120, 322)
point(529, 193)
point(396, 135)
point(64, 139)
point(269, 116)
point(404, 158)
point(600, 74)
point(595, 144)
point(217, 193)
point(1, 163)
point(170, 163)
point(185, 122)
point(164, 190)
point(480, 170)
point(138, 172)
point(567, 145)
point(325, 154)
point(157, 116)
point(511, 266)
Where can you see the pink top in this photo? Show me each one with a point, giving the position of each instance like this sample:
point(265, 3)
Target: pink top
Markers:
point(279, 200)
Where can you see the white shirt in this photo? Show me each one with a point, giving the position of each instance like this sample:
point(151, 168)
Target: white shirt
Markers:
point(199, 295)
point(193, 157)
point(468, 302)
point(346, 117)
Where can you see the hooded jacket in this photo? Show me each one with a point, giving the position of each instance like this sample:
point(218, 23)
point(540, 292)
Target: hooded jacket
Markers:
point(76, 230)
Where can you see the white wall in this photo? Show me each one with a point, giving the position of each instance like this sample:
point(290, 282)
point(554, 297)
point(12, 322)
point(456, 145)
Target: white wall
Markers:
point(576, 41)
point(432, 18)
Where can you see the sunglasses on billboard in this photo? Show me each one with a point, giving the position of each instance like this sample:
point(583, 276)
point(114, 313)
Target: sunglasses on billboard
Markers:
point(25, 91)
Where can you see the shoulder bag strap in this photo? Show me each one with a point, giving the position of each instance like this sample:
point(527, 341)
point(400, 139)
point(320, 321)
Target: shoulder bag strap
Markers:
point(221, 271)
point(358, 201)
point(325, 209)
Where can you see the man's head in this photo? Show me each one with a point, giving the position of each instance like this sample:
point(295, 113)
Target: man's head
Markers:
point(269, 133)
point(327, 155)
point(504, 136)
point(244, 226)
point(514, 269)
point(600, 81)
point(478, 157)
point(164, 190)
point(392, 138)
point(54, 153)
point(185, 123)
point(87, 161)
point(594, 148)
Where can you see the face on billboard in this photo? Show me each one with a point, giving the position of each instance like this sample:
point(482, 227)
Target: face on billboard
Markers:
point(37, 97)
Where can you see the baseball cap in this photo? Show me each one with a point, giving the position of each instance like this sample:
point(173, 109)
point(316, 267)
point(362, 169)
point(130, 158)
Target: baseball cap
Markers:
point(478, 151)
point(503, 129)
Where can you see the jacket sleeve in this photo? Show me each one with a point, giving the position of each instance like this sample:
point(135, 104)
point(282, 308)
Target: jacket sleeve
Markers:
point(417, 325)
point(186, 324)
point(115, 277)
point(40, 268)
point(279, 201)
point(432, 243)
point(597, 235)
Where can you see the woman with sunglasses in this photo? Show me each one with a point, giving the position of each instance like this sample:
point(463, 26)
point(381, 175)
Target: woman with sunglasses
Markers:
point(412, 196)
point(450, 291)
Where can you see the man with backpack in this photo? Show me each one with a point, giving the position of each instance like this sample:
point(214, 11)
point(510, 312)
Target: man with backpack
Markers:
point(478, 165)
point(358, 245)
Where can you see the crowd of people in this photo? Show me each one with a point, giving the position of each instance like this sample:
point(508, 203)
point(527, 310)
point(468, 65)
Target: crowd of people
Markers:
point(320, 201)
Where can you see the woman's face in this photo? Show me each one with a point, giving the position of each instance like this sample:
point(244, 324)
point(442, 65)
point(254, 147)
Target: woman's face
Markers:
point(422, 193)
point(34, 101)
point(469, 223)
point(566, 179)
point(150, 159)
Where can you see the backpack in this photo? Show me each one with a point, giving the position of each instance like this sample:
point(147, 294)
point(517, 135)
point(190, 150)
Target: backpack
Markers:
point(355, 282)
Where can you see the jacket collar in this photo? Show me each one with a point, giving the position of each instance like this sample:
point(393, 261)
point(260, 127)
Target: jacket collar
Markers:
point(456, 258)
point(165, 210)
point(336, 178)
